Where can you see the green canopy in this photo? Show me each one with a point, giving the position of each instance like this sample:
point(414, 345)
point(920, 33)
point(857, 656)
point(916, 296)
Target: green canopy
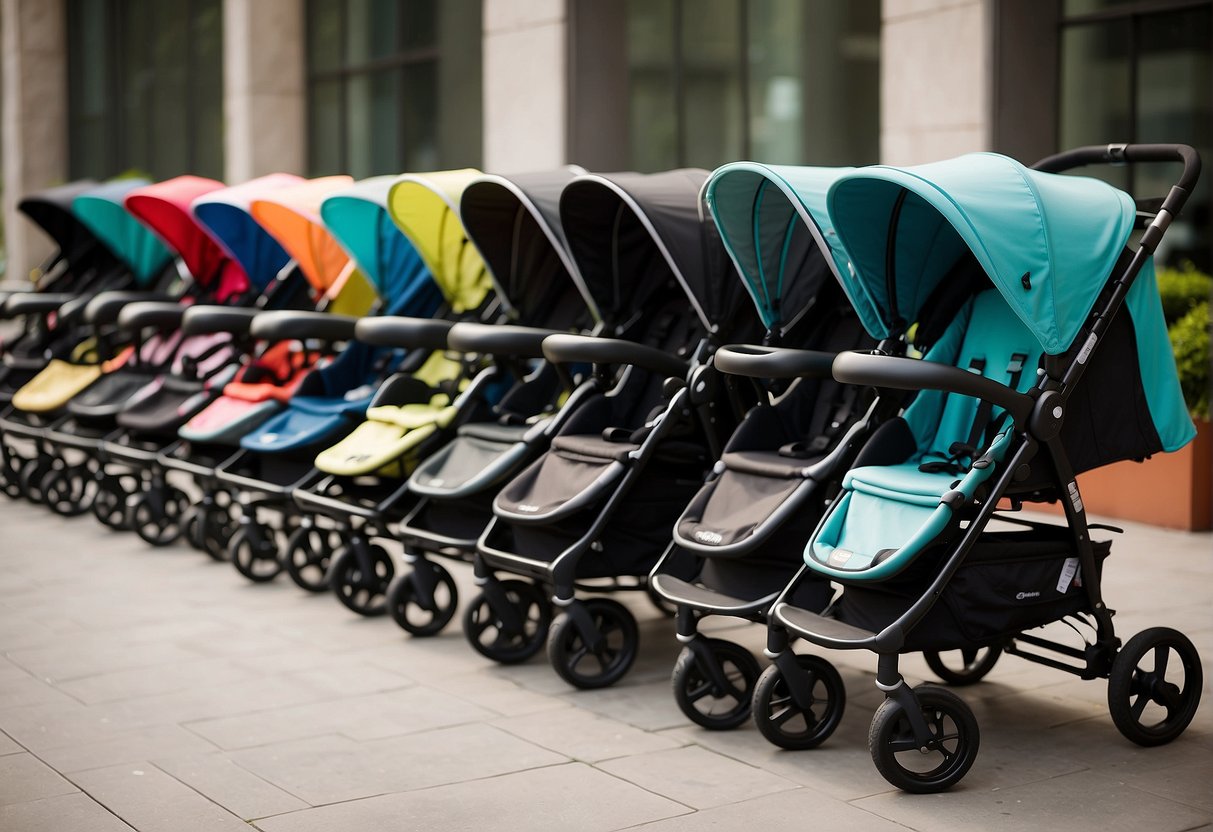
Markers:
point(102, 212)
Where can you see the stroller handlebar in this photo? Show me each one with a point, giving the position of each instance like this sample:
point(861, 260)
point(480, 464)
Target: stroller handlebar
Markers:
point(158, 314)
point(915, 374)
point(202, 320)
point(773, 362)
point(571, 349)
point(499, 339)
point(282, 325)
point(30, 302)
point(1118, 154)
point(104, 308)
point(399, 331)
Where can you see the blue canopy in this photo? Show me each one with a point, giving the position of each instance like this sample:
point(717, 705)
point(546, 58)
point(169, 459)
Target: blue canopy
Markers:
point(770, 217)
point(358, 218)
point(100, 209)
point(1048, 243)
point(226, 217)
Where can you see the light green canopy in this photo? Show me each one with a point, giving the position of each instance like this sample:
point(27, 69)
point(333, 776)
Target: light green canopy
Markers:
point(101, 210)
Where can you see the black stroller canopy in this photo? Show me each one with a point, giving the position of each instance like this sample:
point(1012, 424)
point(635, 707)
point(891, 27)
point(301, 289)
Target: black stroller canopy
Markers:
point(627, 230)
point(515, 223)
point(51, 210)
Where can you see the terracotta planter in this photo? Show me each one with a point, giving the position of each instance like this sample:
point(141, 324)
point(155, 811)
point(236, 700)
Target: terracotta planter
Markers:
point(1172, 490)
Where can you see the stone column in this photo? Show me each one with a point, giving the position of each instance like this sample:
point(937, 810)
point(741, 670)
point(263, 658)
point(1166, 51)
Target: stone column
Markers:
point(525, 84)
point(34, 120)
point(935, 79)
point(264, 88)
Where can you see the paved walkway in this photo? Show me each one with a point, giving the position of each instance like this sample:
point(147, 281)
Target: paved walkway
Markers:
point(156, 690)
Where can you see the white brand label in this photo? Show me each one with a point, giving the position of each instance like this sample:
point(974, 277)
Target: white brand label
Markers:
point(1068, 570)
point(708, 537)
point(525, 507)
point(1085, 352)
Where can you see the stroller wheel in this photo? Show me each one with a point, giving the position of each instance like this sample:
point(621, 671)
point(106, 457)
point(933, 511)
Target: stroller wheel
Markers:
point(418, 615)
point(254, 554)
point(10, 474)
point(33, 477)
point(701, 696)
point(156, 518)
point(308, 552)
point(362, 590)
point(946, 758)
point(512, 635)
point(586, 664)
point(1154, 686)
point(963, 667)
point(66, 490)
point(214, 529)
point(799, 726)
point(109, 503)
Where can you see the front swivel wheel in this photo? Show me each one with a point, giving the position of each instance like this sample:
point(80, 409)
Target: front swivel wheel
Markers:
point(423, 601)
point(600, 656)
point(1154, 687)
point(804, 721)
point(940, 762)
point(716, 697)
point(156, 515)
point(508, 621)
point(254, 553)
point(362, 587)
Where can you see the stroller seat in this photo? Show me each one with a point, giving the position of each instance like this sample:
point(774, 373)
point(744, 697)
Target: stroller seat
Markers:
point(890, 512)
point(52, 388)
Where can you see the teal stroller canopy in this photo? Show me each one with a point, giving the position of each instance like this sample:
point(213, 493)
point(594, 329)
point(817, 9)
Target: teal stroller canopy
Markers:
point(1047, 242)
point(770, 217)
point(101, 210)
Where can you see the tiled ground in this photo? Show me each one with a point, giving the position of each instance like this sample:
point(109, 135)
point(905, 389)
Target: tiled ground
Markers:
point(156, 690)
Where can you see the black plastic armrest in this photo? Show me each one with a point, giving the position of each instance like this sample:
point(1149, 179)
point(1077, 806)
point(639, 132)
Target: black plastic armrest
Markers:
point(499, 339)
point(396, 331)
point(33, 303)
point(104, 308)
point(915, 374)
point(284, 325)
point(773, 362)
point(200, 320)
point(570, 349)
point(157, 314)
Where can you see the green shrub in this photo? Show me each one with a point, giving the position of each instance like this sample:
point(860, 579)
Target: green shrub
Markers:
point(1190, 340)
point(1181, 289)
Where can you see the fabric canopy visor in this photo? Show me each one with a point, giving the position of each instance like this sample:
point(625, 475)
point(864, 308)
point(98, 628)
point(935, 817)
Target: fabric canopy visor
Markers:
point(1047, 242)
point(617, 223)
point(165, 208)
point(51, 210)
point(425, 206)
point(226, 216)
point(358, 219)
point(292, 215)
point(515, 223)
point(771, 217)
point(101, 209)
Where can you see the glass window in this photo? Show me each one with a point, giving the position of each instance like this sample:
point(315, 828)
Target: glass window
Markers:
point(378, 71)
point(145, 87)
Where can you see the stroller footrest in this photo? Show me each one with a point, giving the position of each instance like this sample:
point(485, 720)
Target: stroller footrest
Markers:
point(701, 598)
point(827, 632)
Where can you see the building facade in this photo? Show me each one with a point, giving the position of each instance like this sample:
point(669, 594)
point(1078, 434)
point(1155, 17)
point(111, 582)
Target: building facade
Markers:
point(237, 88)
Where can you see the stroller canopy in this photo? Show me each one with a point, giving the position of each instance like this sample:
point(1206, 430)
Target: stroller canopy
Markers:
point(515, 223)
point(771, 219)
point(1047, 242)
point(51, 210)
point(358, 218)
point(426, 208)
point(226, 216)
point(292, 215)
point(165, 208)
point(101, 209)
point(626, 229)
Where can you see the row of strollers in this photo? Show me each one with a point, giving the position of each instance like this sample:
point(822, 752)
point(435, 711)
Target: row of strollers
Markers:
point(811, 398)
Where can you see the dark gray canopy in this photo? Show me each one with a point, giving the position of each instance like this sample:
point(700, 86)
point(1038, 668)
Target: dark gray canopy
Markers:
point(515, 223)
point(629, 231)
point(51, 210)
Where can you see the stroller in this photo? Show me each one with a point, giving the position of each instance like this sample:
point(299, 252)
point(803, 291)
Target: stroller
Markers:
point(361, 490)
point(594, 512)
point(739, 540)
point(515, 224)
point(277, 457)
point(80, 345)
point(1060, 328)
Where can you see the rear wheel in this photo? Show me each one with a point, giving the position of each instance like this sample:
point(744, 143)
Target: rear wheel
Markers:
point(963, 667)
point(1154, 687)
point(67, 490)
point(947, 756)
point(254, 553)
point(109, 503)
point(418, 616)
point(598, 663)
point(362, 590)
point(708, 703)
point(799, 726)
point(308, 553)
point(156, 518)
point(489, 633)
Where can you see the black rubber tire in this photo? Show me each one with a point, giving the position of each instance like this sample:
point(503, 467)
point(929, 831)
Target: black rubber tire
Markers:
point(974, 663)
point(10, 473)
point(109, 503)
point(480, 620)
point(255, 555)
point(407, 611)
point(700, 699)
point(784, 724)
point(567, 652)
point(365, 595)
point(68, 490)
point(308, 553)
point(33, 477)
point(158, 528)
point(217, 528)
point(955, 743)
point(1158, 695)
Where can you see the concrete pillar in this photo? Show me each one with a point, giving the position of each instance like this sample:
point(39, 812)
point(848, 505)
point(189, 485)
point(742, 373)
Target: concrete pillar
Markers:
point(525, 84)
point(264, 88)
point(935, 79)
point(34, 119)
